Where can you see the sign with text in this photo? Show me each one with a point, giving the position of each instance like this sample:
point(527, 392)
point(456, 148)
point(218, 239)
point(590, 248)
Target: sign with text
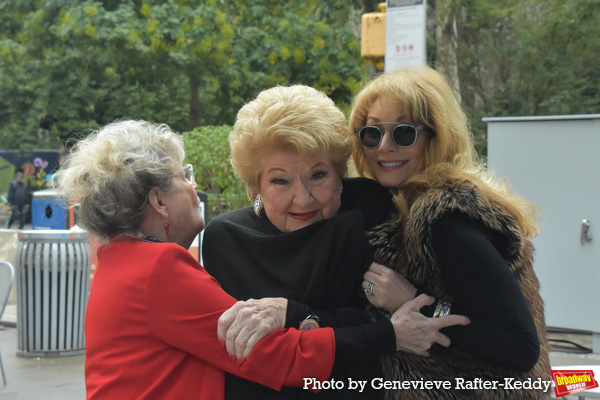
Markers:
point(405, 33)
point(572, 381)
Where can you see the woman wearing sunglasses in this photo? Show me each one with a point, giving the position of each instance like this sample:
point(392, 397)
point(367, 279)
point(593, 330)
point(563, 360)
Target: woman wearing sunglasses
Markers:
point(304, 238)
point(459, 237)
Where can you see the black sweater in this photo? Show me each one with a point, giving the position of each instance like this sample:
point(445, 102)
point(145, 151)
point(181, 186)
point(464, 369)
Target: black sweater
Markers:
point(319, 267)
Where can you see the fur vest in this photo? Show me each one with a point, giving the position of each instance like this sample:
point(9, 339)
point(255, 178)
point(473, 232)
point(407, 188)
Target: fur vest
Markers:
point(406, 246)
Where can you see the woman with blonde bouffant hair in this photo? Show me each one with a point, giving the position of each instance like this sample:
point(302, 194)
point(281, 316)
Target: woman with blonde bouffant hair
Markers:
point(296, 117)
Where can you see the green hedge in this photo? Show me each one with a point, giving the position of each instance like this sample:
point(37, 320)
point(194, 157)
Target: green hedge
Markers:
point(207, 149)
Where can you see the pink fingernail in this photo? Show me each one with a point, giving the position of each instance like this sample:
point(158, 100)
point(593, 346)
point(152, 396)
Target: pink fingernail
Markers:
point(222, 342)
point(241, 360)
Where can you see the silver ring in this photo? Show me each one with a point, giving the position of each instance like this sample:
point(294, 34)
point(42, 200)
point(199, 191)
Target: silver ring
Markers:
point(369, 289)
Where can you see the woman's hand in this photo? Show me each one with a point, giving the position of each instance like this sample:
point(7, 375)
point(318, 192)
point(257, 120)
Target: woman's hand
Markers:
point(246, 322)
point(415, 333)
point(390, 289)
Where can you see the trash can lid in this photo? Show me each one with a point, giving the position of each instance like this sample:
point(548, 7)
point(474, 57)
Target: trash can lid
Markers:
point(54, 234)
point(47, 194)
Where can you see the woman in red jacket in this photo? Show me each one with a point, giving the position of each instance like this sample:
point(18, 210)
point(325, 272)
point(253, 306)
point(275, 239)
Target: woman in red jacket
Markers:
point(151, 321)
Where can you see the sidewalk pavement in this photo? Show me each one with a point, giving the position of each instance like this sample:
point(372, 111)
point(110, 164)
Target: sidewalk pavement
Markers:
point(48, 378)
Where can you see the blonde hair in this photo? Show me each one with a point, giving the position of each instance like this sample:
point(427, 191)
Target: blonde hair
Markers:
point(425, 97)
point(112, 171)
point(297, 118)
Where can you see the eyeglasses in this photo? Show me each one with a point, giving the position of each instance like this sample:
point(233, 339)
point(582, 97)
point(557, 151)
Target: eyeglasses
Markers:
point(404, 135)
point(188, 173)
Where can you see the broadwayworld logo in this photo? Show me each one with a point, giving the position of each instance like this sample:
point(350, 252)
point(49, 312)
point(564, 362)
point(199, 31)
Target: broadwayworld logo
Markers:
point(572, 381)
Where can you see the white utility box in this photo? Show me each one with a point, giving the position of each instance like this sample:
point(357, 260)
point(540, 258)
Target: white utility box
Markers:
point(554, 162)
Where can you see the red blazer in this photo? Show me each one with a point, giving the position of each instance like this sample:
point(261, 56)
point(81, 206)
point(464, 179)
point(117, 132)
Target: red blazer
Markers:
point(151, 331)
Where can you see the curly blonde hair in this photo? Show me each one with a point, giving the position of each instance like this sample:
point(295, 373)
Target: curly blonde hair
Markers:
point(293, 118)
point(112, 171)
point(426, 97)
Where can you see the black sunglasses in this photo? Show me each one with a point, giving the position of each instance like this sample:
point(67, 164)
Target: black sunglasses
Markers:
point(404, 135)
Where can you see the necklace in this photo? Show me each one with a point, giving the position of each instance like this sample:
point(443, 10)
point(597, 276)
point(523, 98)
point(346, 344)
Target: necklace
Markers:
point(152, 239)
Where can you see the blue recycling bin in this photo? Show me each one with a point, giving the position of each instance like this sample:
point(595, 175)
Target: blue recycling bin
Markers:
point(48, 211)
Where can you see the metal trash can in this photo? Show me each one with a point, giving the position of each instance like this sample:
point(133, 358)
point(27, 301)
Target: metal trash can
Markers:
point(53, 281)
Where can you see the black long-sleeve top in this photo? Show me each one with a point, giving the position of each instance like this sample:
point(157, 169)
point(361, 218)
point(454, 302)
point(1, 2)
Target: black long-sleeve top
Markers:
point(502, 328)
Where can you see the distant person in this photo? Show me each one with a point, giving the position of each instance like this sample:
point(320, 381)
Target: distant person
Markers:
point(18, 198)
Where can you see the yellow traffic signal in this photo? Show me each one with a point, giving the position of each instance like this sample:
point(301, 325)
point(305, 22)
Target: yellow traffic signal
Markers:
point(372, 32)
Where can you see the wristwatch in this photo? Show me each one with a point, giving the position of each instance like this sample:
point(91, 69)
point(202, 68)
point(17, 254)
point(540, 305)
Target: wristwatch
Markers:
point(310, 322)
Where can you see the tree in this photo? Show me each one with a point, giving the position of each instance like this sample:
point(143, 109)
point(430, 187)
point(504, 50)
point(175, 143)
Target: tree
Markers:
point(518, 58)
point(207, 148)
point(70, 65)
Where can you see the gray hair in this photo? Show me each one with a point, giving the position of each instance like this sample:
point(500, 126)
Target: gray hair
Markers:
point(111, 173)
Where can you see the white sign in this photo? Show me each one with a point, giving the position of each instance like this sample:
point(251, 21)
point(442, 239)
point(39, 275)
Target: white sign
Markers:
point(405, 33)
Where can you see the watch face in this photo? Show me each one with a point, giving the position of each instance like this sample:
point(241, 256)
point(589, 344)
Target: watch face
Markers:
point(308, 324)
